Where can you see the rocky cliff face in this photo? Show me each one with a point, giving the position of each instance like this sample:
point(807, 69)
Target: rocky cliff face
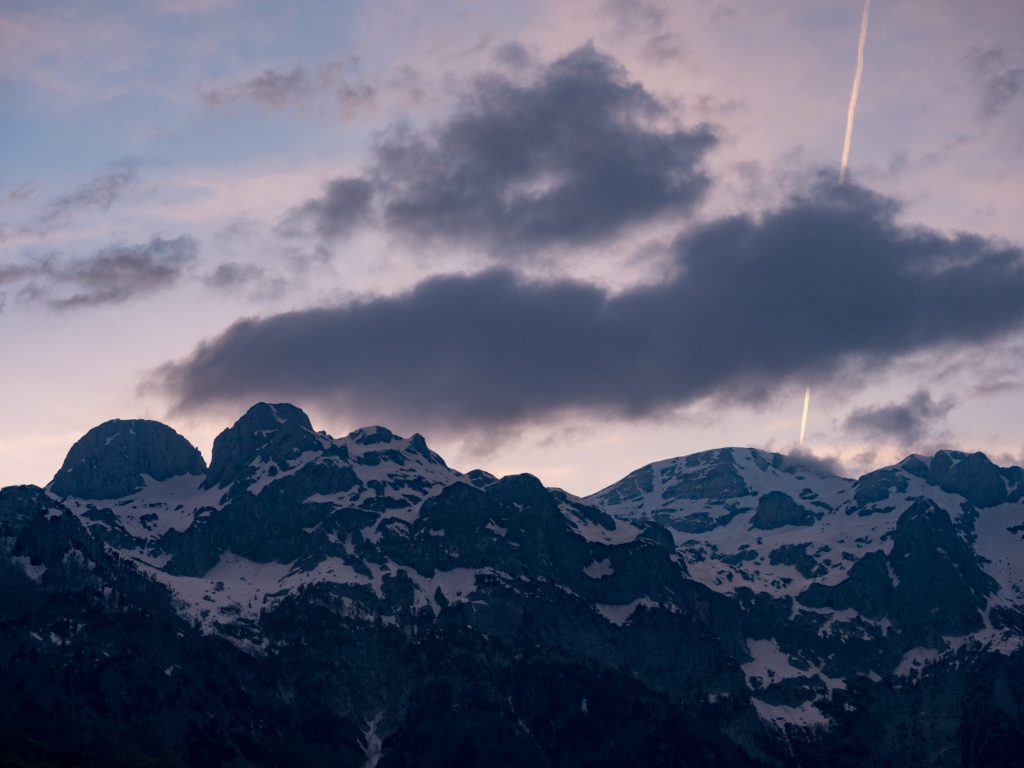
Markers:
point(116, 458)
point(360, 598)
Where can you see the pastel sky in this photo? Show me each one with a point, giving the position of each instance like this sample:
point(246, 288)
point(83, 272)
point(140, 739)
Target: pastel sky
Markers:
point(565, 238)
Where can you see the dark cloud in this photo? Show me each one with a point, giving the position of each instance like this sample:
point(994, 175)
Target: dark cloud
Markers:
point(407, 83)
point(573, 157)
point(828, 282)
point(1001, 88)
point(724, 12)
point(109, 276)
point(270, 88)
point(513, 55)
point(345, 205)
point(15, 273)
point(115, 275)
point(909, 422)
point(1001, 78)
point(99, 193)
point(233, 274)
point(664, 47)
point(637, 15)
point(297, 87)
point(804, 460)
point(647, 19)
point(22, 192)
point(252, 279)
point(997, 387)
point(354, 99)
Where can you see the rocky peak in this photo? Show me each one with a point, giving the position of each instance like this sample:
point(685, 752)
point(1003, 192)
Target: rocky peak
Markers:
point(111, 460)
point(480, 478)
point(374, 435)
point(19, 503)
point(418, 444)
point(376, 445)
point(706, 490)
point(971, 475)
point(269, 432)
point(269, 417)
point(706, 475)
point(876, 487)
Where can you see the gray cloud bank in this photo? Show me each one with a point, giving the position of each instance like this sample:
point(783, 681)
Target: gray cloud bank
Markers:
point(99, 193)
point(1001, 76)
point(573, 156)
point(829, 280)
point(233, 274)
point(109, 276)
point(96, 194)
point(908, 422)
point(297, 87)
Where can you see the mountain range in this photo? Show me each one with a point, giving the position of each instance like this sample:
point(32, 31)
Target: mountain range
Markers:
point(312, 600)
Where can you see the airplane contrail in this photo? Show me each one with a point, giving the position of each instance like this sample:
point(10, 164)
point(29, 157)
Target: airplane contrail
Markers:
point(852, 109)
point(803, 421)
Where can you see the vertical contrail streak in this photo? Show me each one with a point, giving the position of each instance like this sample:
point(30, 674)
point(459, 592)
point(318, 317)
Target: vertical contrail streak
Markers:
point(851, 112)
point(852, 109)
point(803, 421)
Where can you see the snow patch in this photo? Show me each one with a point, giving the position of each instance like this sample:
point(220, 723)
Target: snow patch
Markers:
point(496, 529)
point(804, 716)
point(158, 507)
point(916, 659)
point(374, 743)
point(769, 664)
point(620, 614)
point(264, 477)
point(599, 569)
point(34, 572)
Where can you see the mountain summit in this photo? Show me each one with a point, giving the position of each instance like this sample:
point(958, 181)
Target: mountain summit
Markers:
point(112, 460)
point(266, 433)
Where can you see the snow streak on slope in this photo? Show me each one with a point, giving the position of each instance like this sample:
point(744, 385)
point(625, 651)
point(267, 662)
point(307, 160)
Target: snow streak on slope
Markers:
point(159, 507)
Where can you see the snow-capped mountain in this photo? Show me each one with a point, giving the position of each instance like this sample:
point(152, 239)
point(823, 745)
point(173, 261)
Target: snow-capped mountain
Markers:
point(908, 564)
point(748, 518)
point(359, 596)
point(282, 507)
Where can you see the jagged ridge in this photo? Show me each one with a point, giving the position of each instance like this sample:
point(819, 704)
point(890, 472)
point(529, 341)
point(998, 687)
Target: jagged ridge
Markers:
point(729, 592)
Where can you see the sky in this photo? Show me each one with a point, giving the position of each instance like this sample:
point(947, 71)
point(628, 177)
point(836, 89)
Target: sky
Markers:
point(564, 238)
